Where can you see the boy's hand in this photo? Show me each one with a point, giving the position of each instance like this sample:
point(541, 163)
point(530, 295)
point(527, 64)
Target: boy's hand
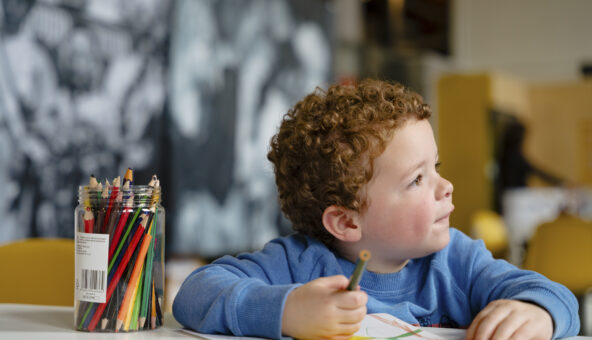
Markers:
point(322, 309)
point(511, 319)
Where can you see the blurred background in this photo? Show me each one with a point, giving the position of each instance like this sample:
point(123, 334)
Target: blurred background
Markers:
point(193, 91)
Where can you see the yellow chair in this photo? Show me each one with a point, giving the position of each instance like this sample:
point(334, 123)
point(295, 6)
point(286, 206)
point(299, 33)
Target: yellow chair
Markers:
point(490, 227)
point(562, 251)
point(37, 271)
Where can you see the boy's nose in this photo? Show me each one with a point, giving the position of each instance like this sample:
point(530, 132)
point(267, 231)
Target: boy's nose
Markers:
point(445, 189)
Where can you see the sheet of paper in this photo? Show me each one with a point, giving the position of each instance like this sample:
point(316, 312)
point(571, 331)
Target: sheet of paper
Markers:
point(383, 326)
point(219, 336)
point(374, 326)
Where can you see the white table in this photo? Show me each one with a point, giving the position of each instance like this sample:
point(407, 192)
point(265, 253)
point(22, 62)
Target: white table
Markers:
point(23, 322)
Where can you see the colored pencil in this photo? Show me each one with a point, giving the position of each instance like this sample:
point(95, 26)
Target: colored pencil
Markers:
point(93, 186)
point(153, 311)
point(129, 176)
point(122, 286)
point(127, 209)
point(89, 220)
point(131, 320)
point(148, 275)
point(104, 198)
point(116, 277)
point(363, 258)
point(133, 280)
point(114, 192)
point(130, 226)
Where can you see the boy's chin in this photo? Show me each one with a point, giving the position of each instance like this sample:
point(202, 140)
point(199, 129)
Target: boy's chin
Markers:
point(442, 240)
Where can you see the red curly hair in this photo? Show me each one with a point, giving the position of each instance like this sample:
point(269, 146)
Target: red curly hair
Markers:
point(324, 151)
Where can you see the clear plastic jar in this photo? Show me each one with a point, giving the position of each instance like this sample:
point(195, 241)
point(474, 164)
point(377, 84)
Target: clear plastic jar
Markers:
point(119, 246)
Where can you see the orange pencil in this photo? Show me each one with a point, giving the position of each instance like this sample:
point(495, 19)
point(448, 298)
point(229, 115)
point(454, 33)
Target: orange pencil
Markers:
point(133, 280)
point(129, 176)
point(153, 311)
point(131, 318)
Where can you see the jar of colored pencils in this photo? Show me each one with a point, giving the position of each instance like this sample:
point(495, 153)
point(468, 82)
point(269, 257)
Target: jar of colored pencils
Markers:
point(119, 246)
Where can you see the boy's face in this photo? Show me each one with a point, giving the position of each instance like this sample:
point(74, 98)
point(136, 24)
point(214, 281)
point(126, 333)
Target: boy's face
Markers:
point(409, 203)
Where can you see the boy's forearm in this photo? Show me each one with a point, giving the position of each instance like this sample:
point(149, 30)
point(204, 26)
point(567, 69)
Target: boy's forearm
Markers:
point(488, 279)
point(216, 301)
point(560, 304)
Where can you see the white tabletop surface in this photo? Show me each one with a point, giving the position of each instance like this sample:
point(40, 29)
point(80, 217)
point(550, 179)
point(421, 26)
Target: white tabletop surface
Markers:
point(34, 322)
point(25, 322)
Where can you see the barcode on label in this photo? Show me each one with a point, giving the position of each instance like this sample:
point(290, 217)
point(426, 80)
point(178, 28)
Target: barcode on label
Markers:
point(92, 279)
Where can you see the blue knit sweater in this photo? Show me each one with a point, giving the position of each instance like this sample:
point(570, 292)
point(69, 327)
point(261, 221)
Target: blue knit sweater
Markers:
point(245, 295)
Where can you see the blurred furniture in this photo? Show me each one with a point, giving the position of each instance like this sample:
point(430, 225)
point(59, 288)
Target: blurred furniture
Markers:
point(562, 251)
point(527, 208)
point(466, 134)
point(489, 226)
point(37, 271)
point(471, 113)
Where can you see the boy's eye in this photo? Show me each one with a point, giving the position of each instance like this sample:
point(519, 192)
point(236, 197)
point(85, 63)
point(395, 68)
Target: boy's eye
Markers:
point(417, 180)
point(438, 166)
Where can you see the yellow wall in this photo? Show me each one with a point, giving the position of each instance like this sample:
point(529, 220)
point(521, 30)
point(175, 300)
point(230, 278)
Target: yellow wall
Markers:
point(465, 135)
point(463, 143)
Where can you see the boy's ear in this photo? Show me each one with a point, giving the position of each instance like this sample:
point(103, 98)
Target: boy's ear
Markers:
point(342, 224)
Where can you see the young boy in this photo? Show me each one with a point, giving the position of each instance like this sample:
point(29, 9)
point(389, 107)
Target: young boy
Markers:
point(357, 168)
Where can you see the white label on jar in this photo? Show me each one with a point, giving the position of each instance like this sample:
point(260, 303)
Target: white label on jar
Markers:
point(92, 251)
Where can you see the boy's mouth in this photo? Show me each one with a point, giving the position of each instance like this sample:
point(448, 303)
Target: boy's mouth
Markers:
point(446, 216)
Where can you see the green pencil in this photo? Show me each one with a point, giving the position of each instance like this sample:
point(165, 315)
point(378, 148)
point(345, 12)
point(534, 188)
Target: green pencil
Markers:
point(148, 272)
point(363, 258)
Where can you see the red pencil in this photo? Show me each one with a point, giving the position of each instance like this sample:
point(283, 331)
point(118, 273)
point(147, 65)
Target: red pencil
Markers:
point(120, 224)
point(89, 220)
point(114, 193)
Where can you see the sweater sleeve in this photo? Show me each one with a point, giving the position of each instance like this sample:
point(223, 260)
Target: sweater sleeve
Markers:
point(488, 279)
point(216, 300)
point(241, 296)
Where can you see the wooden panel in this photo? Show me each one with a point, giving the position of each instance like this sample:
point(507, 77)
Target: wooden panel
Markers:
point(556, 140)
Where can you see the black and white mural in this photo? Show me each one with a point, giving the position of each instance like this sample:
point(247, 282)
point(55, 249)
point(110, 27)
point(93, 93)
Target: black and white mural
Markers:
point(236, 68)
point(190, 90)
point(82, 91)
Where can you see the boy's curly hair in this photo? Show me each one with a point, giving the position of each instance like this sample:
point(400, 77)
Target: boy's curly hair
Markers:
point(324, 151)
